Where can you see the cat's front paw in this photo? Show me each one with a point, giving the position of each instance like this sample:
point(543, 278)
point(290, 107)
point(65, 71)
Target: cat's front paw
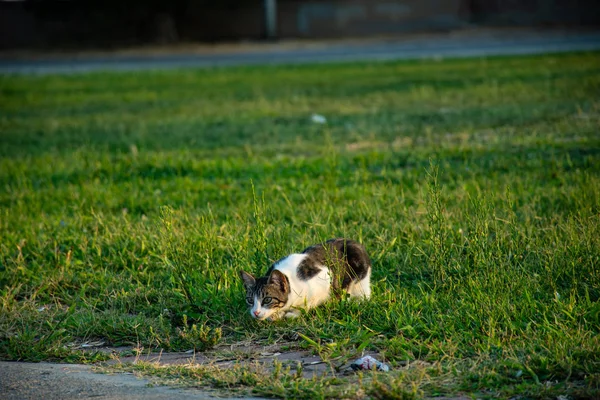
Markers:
point(292, 314)
point(274, 317)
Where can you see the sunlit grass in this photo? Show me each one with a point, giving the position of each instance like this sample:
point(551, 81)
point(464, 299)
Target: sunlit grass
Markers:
point(129, 201)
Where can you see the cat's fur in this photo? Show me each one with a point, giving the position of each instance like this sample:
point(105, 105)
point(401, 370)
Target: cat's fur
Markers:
point(308, 279)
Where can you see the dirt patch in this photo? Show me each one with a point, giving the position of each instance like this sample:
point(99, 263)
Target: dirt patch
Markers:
point(243, 354)
point(68, 381)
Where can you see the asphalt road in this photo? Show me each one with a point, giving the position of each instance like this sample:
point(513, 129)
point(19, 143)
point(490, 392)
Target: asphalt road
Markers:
point(461, 44)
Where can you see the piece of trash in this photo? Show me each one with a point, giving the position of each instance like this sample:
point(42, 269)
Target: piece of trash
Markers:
point(369, 363)
point(85, 345)
point(318, 119)
point(92, 344)
point(267, 354)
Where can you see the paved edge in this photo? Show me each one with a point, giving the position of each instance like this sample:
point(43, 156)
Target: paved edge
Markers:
point(51, 381)
point(473, 44)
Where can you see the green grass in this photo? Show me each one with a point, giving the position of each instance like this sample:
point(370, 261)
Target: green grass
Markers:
point(129, 201)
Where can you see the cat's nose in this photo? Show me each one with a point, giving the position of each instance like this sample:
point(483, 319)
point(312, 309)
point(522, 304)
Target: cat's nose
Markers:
point(256, 313)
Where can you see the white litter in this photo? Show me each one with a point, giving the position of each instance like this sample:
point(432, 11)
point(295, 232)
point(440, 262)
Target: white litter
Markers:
point(519, 373)
point(369, 363)
point(318, 119)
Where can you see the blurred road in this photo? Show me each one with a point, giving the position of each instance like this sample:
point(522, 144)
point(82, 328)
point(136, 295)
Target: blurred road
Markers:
point(475, 43)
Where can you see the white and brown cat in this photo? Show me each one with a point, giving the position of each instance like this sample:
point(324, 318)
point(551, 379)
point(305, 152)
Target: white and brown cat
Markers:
point(308, 279)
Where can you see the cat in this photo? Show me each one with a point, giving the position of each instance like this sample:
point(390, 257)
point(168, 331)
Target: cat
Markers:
point(308, 279)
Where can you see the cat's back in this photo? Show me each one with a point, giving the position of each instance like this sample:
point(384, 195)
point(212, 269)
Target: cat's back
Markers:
point(337, 249)
point(347, 261)
point(309, 282)
point(289, 264)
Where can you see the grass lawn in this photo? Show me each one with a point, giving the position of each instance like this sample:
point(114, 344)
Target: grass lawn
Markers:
point(129, 201)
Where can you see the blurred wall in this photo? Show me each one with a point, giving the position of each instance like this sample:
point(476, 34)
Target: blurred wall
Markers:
point(536, 12)
point(367, 17)
point(89, 24)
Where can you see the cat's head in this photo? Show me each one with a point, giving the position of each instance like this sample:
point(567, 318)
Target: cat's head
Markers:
point(266, 295)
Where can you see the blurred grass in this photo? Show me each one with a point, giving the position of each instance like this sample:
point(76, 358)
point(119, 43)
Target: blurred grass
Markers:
point(129, 201)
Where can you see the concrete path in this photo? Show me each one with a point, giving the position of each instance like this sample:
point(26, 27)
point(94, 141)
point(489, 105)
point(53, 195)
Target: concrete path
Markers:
point(47, 381)
point(20, 381)
point(471, 43)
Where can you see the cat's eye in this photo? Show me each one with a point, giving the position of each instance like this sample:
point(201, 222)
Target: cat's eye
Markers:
point(267, 300)
point(249, 300)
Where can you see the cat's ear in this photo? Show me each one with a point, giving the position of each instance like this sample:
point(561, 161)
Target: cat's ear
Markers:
point(280, 280)
point(248, 279)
